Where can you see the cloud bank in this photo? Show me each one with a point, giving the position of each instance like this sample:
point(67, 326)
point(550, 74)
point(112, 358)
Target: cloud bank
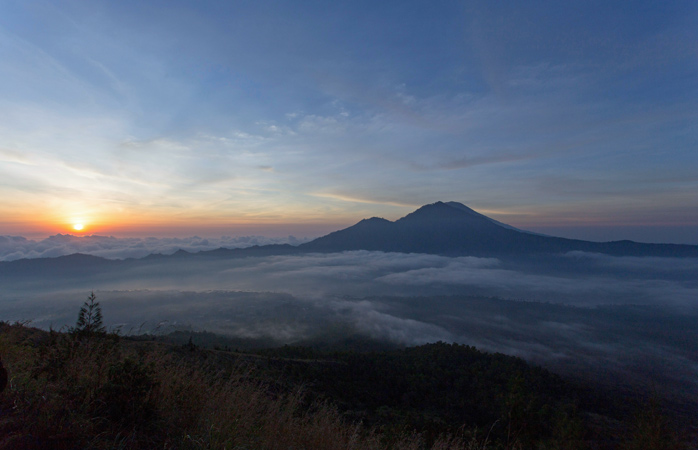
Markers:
point(579, 278)
point(622, 318)
point(18, 247)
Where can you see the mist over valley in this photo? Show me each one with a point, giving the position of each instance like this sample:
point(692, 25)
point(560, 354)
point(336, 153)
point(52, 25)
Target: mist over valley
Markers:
point(620, 320)
point(348, 225)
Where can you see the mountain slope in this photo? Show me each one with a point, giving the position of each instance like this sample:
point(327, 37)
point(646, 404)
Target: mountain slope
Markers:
point(454, 229)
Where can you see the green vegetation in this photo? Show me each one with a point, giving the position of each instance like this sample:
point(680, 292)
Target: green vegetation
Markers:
point(90, 318)
point(104, 393)
point(90, 389)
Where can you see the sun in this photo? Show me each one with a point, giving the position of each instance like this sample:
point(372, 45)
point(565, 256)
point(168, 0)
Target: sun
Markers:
point(78, 226)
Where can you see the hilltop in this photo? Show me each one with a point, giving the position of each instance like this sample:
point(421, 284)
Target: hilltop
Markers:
point(103, 391)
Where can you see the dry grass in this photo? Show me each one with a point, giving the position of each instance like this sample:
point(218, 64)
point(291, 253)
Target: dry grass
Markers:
point(68, 392)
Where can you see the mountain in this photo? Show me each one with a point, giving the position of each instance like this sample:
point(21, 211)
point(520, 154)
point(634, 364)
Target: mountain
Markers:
point(450, 229)
point(453, 229)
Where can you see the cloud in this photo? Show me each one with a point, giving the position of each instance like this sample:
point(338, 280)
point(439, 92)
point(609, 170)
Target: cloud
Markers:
point(578, 313)
point(639, 345)
point(566, 279)
point(611, 282)
point(200, 114)
point(18, 247)
point(633, 263)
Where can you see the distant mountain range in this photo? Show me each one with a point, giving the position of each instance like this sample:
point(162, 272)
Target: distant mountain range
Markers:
point(449, 229)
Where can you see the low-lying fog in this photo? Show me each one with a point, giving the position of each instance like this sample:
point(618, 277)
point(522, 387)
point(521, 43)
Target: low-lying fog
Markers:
point(19, 247)
point(620, 318)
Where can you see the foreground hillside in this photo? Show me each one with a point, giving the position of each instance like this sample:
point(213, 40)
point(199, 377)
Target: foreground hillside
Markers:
point(94, 390)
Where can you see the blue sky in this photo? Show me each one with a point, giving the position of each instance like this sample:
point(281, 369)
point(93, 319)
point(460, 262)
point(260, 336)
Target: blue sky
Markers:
point(212, 117)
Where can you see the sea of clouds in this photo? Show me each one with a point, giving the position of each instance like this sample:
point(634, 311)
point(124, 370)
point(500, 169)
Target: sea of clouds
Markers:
point(618, 317)
point(18, 247)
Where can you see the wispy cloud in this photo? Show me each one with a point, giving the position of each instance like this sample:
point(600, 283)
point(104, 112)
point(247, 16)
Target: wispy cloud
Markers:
point(181, 110)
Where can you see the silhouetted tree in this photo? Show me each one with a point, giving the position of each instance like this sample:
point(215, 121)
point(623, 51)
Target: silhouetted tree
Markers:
point(90, 317)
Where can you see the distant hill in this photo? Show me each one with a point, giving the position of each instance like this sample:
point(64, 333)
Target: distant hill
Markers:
point(61, 266)
point(453, 229)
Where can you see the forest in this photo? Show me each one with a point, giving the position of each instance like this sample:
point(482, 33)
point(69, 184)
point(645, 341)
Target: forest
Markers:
point(83, 387)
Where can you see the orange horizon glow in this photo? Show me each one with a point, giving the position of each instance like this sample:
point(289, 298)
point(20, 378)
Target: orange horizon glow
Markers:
point(121, 222)
point(35, 230)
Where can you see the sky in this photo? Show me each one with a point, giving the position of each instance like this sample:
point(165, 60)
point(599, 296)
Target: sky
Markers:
point(276, 118)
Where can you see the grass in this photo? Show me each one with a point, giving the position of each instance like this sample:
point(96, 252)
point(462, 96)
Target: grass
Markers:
point(70, 391)
point(77, 390)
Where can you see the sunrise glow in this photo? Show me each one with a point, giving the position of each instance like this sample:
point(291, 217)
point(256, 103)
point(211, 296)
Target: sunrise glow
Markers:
point(566, 123)
point(78, 227)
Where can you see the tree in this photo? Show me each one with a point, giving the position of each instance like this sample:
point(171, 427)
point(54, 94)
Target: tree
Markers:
point(90, 317)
